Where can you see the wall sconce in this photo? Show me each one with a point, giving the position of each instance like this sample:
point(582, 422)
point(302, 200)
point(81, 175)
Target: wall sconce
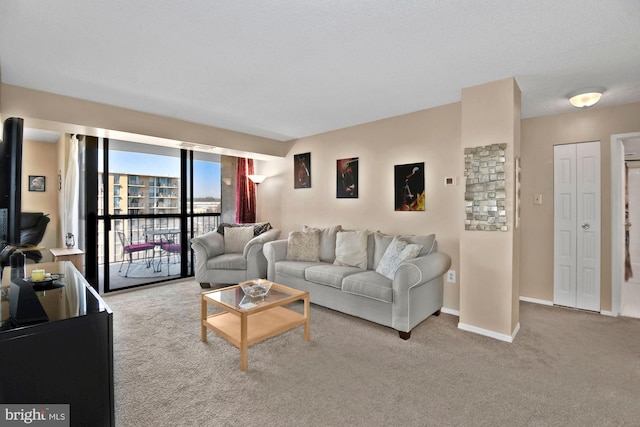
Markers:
point(584, 98)
point(257, 179)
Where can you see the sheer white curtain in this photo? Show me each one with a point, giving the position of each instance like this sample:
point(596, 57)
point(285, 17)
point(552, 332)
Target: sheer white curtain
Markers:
point(71, 189)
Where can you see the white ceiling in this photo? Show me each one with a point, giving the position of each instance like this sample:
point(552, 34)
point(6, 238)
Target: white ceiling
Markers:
point(285, 69)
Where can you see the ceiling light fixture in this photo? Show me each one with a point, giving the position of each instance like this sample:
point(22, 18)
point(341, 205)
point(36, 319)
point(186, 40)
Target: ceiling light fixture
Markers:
point(585, 98)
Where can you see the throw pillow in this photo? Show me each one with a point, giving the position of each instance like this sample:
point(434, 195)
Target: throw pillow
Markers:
point(351, 248)
point(236, 238)
point(397, 252)
point(258, 227)
point(327, 241)
point(303, 246)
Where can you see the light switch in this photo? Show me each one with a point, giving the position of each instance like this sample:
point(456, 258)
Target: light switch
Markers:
point(537, 199)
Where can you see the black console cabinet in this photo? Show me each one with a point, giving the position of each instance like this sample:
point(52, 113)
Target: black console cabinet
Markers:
point(65, 359)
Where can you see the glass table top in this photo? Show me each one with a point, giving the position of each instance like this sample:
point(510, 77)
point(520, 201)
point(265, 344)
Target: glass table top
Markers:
point(66, 297)
point(235, 297)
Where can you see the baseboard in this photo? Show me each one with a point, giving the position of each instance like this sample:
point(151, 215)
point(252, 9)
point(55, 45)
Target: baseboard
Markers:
point(450, 311)
point(536, 301)
point(490, 334)
point(550, 303)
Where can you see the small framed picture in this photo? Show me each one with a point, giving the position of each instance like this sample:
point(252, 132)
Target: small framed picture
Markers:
point(409, 187)
point(347, 178)
point(302, 170)
point(37, 183)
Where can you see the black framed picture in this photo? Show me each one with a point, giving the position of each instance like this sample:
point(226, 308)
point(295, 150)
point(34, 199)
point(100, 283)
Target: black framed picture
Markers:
point(302, 170)
point(409, 187)
point(347, 178)
point(37, 183)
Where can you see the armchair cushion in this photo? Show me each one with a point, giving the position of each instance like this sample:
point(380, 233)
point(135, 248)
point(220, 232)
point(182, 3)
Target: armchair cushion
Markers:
point(236, 238)
point(233, 261)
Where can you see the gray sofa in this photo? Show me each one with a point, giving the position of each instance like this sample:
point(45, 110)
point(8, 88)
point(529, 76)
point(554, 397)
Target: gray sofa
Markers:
point(222, 260)
point(409, 295)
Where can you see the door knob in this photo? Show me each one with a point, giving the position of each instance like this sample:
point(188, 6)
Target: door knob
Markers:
point(585, 226)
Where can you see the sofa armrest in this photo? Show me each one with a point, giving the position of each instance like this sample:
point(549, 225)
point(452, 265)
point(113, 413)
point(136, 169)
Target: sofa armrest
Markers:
point(418, 289)
point(421, 270)
point(274, 251)
point(260, 240)
point(210, 244)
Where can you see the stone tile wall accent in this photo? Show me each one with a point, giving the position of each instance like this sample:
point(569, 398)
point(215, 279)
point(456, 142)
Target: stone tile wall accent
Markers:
point(485, 194)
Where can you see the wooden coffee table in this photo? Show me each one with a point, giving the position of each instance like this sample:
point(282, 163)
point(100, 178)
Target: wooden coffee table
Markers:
point(245, 321)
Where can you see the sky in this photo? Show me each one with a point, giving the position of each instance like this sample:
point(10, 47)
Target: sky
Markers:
point(206, 175)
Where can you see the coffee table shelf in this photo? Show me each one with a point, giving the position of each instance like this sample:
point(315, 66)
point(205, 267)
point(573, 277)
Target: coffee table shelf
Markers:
point(243, 325)
point(260, 326)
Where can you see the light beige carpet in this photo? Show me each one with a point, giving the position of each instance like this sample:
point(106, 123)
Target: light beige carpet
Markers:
point(565, 368)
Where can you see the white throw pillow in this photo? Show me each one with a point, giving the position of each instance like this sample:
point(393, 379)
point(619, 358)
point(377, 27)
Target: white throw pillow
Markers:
point(351, 248)
point(303, 246)
point(397, 252)
point(236, 238)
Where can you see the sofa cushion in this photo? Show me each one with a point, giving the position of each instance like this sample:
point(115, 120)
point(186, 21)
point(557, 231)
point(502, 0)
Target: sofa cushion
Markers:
point(293, 268)
point(328, 274)
point(351, 248)
point(397, 252)
point(369, 284)
point(428, 242)
point(327, 241)
point(231, 261)
point(382, 241)
point(236, 238)
point(303, 246)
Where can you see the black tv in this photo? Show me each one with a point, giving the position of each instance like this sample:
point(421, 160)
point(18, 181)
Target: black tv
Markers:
point(10, 180)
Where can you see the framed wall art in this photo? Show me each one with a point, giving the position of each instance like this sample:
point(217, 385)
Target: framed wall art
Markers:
point(409, 187)
point(485, 193)
point(302, 170)
point(37, 183)
point(347, 178)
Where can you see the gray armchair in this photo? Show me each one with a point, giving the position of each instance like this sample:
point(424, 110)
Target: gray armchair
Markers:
point(222, 263)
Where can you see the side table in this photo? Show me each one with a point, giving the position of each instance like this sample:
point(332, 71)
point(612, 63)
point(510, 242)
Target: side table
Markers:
point(65, 254)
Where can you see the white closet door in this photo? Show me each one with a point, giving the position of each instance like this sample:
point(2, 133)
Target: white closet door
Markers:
point(564, 211)
point(577, 225)
point(588, 248)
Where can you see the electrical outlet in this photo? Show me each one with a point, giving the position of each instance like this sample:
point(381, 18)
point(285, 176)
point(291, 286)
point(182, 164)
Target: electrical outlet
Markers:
point(451, 276)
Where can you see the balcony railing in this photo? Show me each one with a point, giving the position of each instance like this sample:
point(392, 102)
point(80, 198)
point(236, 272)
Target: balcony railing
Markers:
point(138, 230)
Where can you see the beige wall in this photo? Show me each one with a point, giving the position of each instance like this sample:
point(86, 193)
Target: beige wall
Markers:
point(539, 135)
point(39, 158)
point(429, 136)
point(489, 275)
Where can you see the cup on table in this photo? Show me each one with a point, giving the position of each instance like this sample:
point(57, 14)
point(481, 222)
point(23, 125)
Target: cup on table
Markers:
point(37, 275)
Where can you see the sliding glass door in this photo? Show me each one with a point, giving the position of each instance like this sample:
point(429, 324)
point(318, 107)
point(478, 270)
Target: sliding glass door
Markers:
point(151, 201)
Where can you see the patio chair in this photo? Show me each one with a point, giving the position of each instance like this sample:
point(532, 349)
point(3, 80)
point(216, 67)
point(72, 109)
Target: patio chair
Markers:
point(129, 249)
point(169, 247)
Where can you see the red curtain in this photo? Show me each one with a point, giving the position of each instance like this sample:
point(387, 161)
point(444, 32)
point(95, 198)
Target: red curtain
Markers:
point(245, 192)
